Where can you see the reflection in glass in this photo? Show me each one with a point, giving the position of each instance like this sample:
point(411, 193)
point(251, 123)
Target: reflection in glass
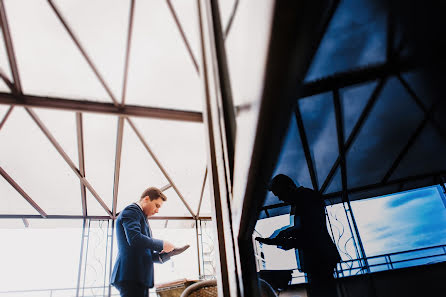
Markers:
point(400, 222)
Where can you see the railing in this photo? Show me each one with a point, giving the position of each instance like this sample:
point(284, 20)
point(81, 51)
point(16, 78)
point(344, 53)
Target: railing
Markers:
point(384, 262)
point(395, 260)
point(377, 263)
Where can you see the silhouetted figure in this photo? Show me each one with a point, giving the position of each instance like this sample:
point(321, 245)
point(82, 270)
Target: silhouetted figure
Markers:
point(317, 255)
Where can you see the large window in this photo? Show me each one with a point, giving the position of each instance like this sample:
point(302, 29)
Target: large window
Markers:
point(401, 223)
point(43, 258)
point(396, 231)
point(45, 255)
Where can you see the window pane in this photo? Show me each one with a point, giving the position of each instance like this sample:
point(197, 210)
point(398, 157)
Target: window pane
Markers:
point(161, 72)
point(180, 147)
point(355, 37)
point(12, 202)
point(404, 221)
point(101, 27)
point(49, 62)
point(138, 170)
point(33, 162)
point(41, 257)
point(100, 149)
point(274, 258)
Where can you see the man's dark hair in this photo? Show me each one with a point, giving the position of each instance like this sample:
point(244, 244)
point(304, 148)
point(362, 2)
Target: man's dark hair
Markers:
point(153, 193)
point(281, 181)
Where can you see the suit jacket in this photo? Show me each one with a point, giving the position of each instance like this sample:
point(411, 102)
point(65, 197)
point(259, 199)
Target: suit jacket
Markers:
point(137, 250)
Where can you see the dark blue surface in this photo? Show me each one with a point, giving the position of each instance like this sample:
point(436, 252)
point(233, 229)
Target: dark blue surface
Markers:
point(355, 38)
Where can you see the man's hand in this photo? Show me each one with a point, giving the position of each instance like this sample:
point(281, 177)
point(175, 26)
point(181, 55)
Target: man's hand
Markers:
point(178, 250)
point(266, 240)
point(167, 247)
point(283, 243)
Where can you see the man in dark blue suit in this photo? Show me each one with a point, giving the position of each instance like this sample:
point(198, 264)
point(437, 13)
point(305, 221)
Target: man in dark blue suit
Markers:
point(137, 250)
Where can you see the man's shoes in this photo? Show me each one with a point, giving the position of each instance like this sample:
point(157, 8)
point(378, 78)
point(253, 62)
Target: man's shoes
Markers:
point(177, 251)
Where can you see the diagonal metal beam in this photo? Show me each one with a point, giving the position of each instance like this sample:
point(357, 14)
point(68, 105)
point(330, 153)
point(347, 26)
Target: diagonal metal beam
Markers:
point(80, 149)
point(22, 192)
point(117, 164)
point(127, 52)
point(355, 131)
point(100, 107)
point(149, 150)
point(420, 105)
point(83, 52)
point(183, 36)
point(341, 147)
point(15, 88)
point(202, 191)
point(231, 19)
point(356, 77)
point(409, 143)
point(433, 175)
point(306, 147)
point(67, 159)
point(7, 81)
point(5, 118)
point(9, 47)
point(166, 187)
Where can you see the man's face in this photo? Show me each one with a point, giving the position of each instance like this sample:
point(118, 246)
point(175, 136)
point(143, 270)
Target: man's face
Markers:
point(283, 192)
point(280, 192)
point(151, 207)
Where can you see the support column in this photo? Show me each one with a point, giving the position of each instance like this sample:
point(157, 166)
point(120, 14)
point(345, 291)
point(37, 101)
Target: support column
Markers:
point(80, 258)
point(218, 118)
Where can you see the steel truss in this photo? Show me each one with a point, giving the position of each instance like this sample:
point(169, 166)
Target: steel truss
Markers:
point(117, 108)
point(17, 98)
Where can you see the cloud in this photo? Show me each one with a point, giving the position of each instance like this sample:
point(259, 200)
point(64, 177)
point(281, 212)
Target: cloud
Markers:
point(410, 196)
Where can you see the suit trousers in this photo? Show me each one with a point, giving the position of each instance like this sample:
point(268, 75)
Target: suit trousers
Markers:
point(132, 289)
point(322, 284)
